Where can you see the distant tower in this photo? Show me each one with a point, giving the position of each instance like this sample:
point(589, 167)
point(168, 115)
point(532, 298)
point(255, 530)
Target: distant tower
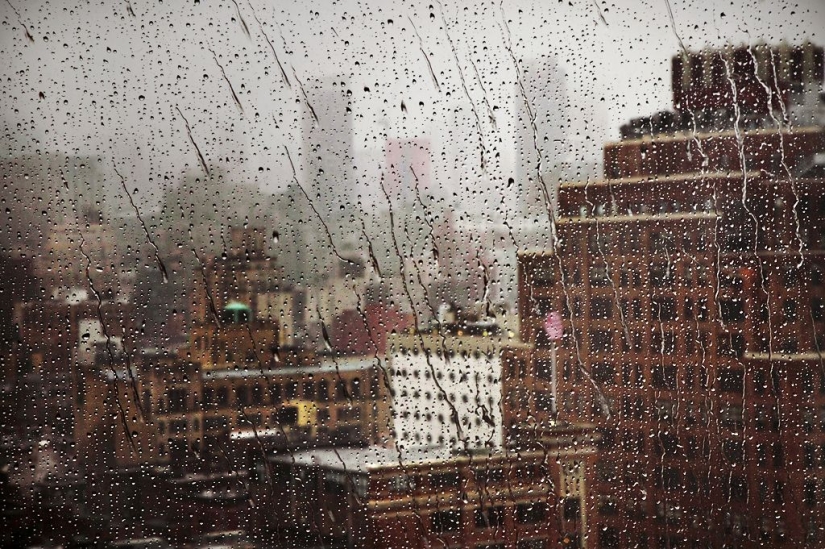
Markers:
point(462, 149)
point(327, 136)
point(544, 86)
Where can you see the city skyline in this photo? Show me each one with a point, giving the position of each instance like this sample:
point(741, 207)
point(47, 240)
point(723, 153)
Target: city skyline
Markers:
point(166, 76)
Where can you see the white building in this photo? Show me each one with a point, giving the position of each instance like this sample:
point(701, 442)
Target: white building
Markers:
point(447, 386)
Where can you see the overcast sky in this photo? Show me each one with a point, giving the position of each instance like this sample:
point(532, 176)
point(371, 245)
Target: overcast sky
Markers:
point(113, 74)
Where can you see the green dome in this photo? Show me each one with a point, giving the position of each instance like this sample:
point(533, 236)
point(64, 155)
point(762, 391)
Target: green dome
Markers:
point(236, 312)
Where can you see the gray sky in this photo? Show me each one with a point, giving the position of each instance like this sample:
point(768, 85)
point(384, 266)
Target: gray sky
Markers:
point(112, 81)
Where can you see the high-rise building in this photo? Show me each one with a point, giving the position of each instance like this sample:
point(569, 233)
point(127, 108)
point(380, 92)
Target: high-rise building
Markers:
point(683, 312)
point(542, 127)
point(328, 151)
point(462, 147)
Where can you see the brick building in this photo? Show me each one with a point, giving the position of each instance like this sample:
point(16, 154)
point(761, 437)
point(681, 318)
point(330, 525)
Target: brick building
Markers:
point(247, 273)
point(376, 497)
point(690, 287)
point(196, 431)
point(197, 419)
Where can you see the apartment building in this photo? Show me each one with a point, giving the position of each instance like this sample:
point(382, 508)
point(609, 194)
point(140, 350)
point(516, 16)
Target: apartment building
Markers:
point(688, 285)
point(384, 497)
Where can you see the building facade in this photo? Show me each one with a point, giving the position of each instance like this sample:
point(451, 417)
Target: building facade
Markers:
point(379, 497)
point(447, 386)
point(689, 284)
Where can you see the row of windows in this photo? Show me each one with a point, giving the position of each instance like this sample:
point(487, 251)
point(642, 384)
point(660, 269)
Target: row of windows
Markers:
point(525, 513)
point(669, 275)
point(659, 342)
point(771, 532)
point(533, 543)
point(439, 396)
point(668, 411)
point(449, 353)
point(482, 475)
point(178, 400)
point(632, 375)
point(668, 309)
point(462, 377)
point(813, 493)
point(307, 390)
point(635, 241)
point(665, 377)
point(666, 342)
point(286, 416)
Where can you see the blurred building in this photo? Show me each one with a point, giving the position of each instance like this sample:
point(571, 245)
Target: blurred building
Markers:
point(408, 170)
point(247, 273)
point(767, 78)
point(86, 253)
point(17, 284)
point(328, 150)
point(751, 86)
point(53, 337)
point(542, 130)
point(689, 287)
point(357, 334)
point(239, 339)
point(224, 388)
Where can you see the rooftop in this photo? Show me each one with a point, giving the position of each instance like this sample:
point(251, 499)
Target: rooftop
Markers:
point(354, 364)
point(236, 306)
point(656, 179)
point(564, 439)
point(363, 460)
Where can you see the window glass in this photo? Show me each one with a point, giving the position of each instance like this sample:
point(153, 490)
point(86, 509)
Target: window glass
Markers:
point(509, 275)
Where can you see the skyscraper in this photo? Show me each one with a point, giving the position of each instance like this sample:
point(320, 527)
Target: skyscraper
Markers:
point(327, 136)
point(546, 94)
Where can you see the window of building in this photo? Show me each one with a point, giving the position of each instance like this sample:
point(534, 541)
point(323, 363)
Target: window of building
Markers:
point(488, 475)
point(531, 513)
point(571, 509)
point(731, 381)
point(661, 275)
point(601, 307)
point(664, 377)
point(601, 341)
point(604, 373)
point(489, 517)
point(732, 310)
point(444, 480)
point(542, 543)
point(445, 521)
point(663, 308)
